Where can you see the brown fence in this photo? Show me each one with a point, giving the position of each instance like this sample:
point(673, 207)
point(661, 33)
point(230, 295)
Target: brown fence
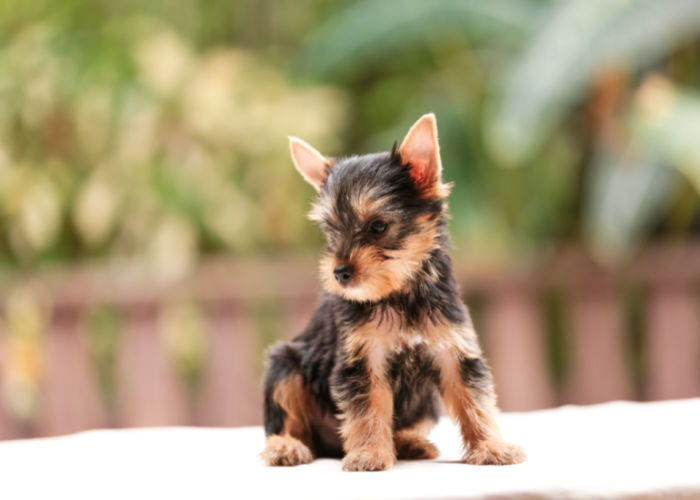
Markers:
point(85, 349)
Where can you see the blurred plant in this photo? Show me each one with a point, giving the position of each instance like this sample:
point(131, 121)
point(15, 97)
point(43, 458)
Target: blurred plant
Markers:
point(25, 320)
point(371, 29)
point(125, 138)
point(104, 327)
point(549, 87)
point(269, 328)
point(185, 334)
point(577, 42)
point(635, 175)
point(636, 133)
point(154, 151)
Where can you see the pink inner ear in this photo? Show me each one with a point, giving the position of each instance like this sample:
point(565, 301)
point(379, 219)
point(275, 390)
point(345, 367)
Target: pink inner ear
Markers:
point(420, 149)
point(422, 173)
point(312, 165)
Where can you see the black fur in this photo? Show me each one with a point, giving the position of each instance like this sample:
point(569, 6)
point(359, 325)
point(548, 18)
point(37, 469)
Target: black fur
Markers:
point(414, 376)
point(423, 301)
point(476, 374)
point(351, 382)
point(431, 296)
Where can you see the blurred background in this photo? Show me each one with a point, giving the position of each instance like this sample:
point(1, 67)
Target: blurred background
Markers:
point(153, 238)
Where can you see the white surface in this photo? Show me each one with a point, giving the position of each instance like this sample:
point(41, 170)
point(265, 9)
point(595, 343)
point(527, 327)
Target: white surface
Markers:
point(616, 450)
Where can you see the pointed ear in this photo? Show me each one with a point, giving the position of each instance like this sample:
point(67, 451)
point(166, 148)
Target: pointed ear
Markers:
point(311, 164)
point(421, 152)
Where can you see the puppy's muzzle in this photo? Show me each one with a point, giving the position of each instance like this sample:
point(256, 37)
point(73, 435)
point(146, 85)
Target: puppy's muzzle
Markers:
point(343, 274)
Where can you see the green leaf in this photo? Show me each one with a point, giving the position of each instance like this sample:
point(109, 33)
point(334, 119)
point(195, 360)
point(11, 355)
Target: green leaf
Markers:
point(629, 187)
point(665, 123)
point(580, 39)
point(374, 28)
point(625, 193)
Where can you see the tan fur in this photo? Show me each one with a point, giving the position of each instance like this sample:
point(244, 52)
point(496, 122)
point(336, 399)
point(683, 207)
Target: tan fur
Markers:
point(295, 400)
point(317, 212)
point(475, 420)
point(385, 333)
point(474, 411)
point(475, 414)
point(376, 278)
point(293, 445)
point(457, 339)
point(373, 340)
point(285, 450)
point(411, 443)
point(422, 427)
point(370, 458)
point(495, 452)
point(367, 205)
point(371, 431)
point(436, 190)
point(367, 435)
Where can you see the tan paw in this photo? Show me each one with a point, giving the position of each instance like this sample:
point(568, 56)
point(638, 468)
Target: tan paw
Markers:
point(368, 459)
point(286, 450)
point(495, 453)
point(415, 448)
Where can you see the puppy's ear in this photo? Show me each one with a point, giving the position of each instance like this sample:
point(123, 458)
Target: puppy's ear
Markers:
point(420, 151)
point(311, 164)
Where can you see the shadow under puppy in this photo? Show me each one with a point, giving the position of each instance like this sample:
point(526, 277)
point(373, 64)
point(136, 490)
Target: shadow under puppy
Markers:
point(391, 334)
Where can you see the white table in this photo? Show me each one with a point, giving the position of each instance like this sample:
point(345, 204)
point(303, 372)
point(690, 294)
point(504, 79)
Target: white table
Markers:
point(615, 450)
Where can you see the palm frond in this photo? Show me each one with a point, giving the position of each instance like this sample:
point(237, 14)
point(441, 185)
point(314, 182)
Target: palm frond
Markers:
point(375, 28)
point(580, 39)
point(625, 193)
point(629, 186)
point(665, 123)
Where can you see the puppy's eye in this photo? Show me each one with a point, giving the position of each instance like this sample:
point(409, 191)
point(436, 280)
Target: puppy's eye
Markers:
point(377, 227)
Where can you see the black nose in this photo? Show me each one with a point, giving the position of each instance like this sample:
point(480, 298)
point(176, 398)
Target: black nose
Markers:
point(343, 273)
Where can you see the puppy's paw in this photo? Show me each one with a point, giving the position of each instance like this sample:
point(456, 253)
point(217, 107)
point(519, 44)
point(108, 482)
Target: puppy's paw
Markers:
point(286, 450)
point(415, 448)
point(491, 452)
point(368, 459)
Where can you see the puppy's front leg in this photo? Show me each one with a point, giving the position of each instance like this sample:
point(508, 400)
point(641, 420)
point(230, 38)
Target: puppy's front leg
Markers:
point(467, 390)
point(365, 398)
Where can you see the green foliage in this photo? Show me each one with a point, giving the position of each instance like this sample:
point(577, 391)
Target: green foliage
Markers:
point(156, 131)
point(104, 326)
point(157, 152)
point(578, 40)
point(369, 30)
point(186, 337)
point(524, 86)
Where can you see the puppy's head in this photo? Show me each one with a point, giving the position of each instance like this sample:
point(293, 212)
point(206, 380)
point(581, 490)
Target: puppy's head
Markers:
point(382, 214)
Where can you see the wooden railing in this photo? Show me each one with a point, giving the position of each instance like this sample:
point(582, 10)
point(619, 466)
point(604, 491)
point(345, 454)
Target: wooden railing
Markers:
point(117, 348)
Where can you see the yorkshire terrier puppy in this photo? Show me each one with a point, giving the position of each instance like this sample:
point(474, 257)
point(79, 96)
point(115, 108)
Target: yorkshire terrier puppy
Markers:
point(391, 334)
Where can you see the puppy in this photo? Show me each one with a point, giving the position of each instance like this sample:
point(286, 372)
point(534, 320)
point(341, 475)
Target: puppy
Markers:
point(391, 335)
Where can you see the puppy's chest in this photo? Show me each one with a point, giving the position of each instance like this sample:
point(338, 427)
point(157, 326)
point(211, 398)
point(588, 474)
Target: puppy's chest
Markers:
point(411, 364)
point(399, 350)
point(400, 340)
point(389, 345)
point(390, 337)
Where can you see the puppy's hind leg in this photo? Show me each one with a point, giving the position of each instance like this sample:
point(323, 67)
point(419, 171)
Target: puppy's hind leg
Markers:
point(411, 443)
point(287, 410)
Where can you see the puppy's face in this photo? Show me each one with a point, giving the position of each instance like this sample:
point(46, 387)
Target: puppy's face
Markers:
point(381, 214)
